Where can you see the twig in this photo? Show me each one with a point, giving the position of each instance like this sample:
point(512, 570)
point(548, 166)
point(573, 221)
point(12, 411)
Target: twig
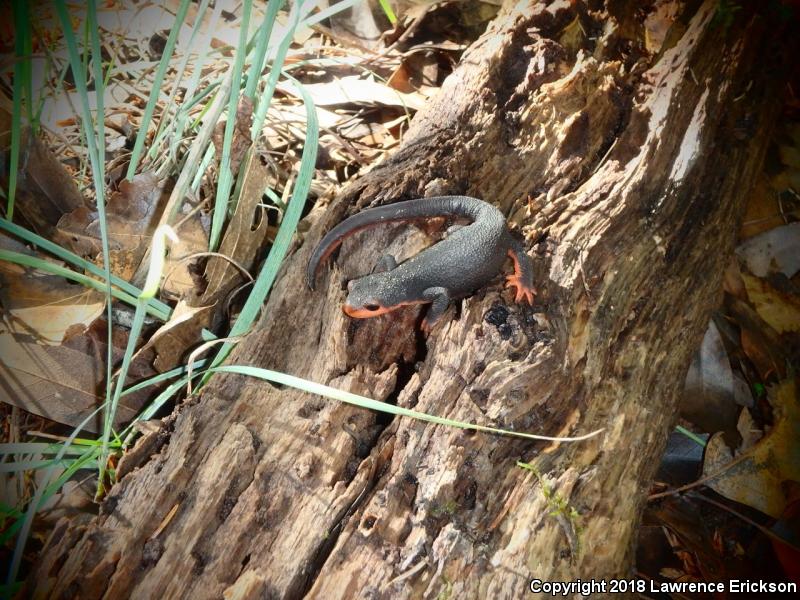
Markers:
point(698, 482)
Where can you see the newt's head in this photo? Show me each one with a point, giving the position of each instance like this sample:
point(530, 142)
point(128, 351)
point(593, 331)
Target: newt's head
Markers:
point(373, 295)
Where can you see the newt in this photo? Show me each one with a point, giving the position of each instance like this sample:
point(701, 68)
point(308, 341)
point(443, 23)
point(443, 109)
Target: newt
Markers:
point(464, 261)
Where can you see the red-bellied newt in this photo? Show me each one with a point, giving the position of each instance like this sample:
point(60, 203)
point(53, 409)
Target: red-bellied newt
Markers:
point(453, 268)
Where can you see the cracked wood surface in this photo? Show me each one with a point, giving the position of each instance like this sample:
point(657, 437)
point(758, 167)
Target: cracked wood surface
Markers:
point(626, 174)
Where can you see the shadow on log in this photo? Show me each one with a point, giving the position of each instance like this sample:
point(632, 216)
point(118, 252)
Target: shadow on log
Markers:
point(625, 167)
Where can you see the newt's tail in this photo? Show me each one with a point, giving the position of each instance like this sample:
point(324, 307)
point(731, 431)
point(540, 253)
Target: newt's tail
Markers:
point(423, 208)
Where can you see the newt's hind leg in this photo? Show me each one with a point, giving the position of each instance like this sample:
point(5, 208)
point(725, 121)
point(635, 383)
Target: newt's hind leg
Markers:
point(522, 279)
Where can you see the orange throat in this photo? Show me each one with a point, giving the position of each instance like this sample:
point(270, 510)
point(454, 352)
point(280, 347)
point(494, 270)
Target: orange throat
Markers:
point(359, 312)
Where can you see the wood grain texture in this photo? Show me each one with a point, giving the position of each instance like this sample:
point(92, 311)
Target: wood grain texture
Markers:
point(626, 174)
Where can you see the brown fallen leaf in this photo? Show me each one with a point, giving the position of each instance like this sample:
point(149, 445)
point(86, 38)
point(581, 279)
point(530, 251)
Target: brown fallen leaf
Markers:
point(749, 431)
point(131, 216)
point(355, 90)
point(245, 236)
point(241, 141)
point(572, 36)
point(763, 211)
point(760, 343)
point(44, 306)
point(732, 281)
point(399, 79)
point(45, 190)
point(181, 274)
point(779, 309)
point(690, 537)
point(65, 383)
point(173, 340)
point(757, 475)
point(788, 528)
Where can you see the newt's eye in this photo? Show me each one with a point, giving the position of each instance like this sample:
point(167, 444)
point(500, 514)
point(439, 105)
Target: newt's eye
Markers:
point(372, 307)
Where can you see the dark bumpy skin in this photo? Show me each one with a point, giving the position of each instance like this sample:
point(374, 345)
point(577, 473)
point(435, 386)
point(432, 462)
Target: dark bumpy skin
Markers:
point(458, 265)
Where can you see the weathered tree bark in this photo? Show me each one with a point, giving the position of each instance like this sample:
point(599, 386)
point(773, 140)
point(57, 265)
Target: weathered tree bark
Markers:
point(626, 172)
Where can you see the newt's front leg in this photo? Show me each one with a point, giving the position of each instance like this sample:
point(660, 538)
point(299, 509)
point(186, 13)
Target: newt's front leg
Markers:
point(439, 298)
point(522, 278)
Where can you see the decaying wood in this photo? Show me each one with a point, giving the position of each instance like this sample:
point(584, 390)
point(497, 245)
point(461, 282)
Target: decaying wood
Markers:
point(626, 172)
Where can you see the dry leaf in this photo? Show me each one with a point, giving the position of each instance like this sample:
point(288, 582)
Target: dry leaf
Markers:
point(749, 431)
point(180, 275)
point(788, 528)
point(756, 479)
point(760, 343)
point(357, 26)
point(138, 22)
point(243, 241)
point(46, 306)
point(399, 80)
point(287, 113)
point(131, 216)
point(45, 190)
point(240, 143)
point(572, 36)
point(780, 310)
point(354, 90)
point(741, 391)
point(790, 156)
point(732, 281)
point(691, 538)
point(178, 335)
point(62, 383)
point(763, 212)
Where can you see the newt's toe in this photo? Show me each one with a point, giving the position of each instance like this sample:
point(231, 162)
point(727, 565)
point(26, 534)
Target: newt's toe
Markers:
point(522, 292)
point(426, 327)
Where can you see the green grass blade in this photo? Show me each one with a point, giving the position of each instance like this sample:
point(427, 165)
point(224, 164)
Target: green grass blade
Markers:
point(194, 82)
point(265, 98)
point(43, 492)
point(225, 183)
point(53, 488)
point(695, 438)
point(89, 282)
point(165, 123)
point(149, 289)
point(21, 24)
point(98, 165)
point(280, 246)
point(387, 10)
point(329, 12)
point(108, 421)
point(260, 55)
point(158, 79)
point(140, 385)
point(39, 448)
point(32, 465)
point(198, 176)
point(159, 308)
point(364, 402)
